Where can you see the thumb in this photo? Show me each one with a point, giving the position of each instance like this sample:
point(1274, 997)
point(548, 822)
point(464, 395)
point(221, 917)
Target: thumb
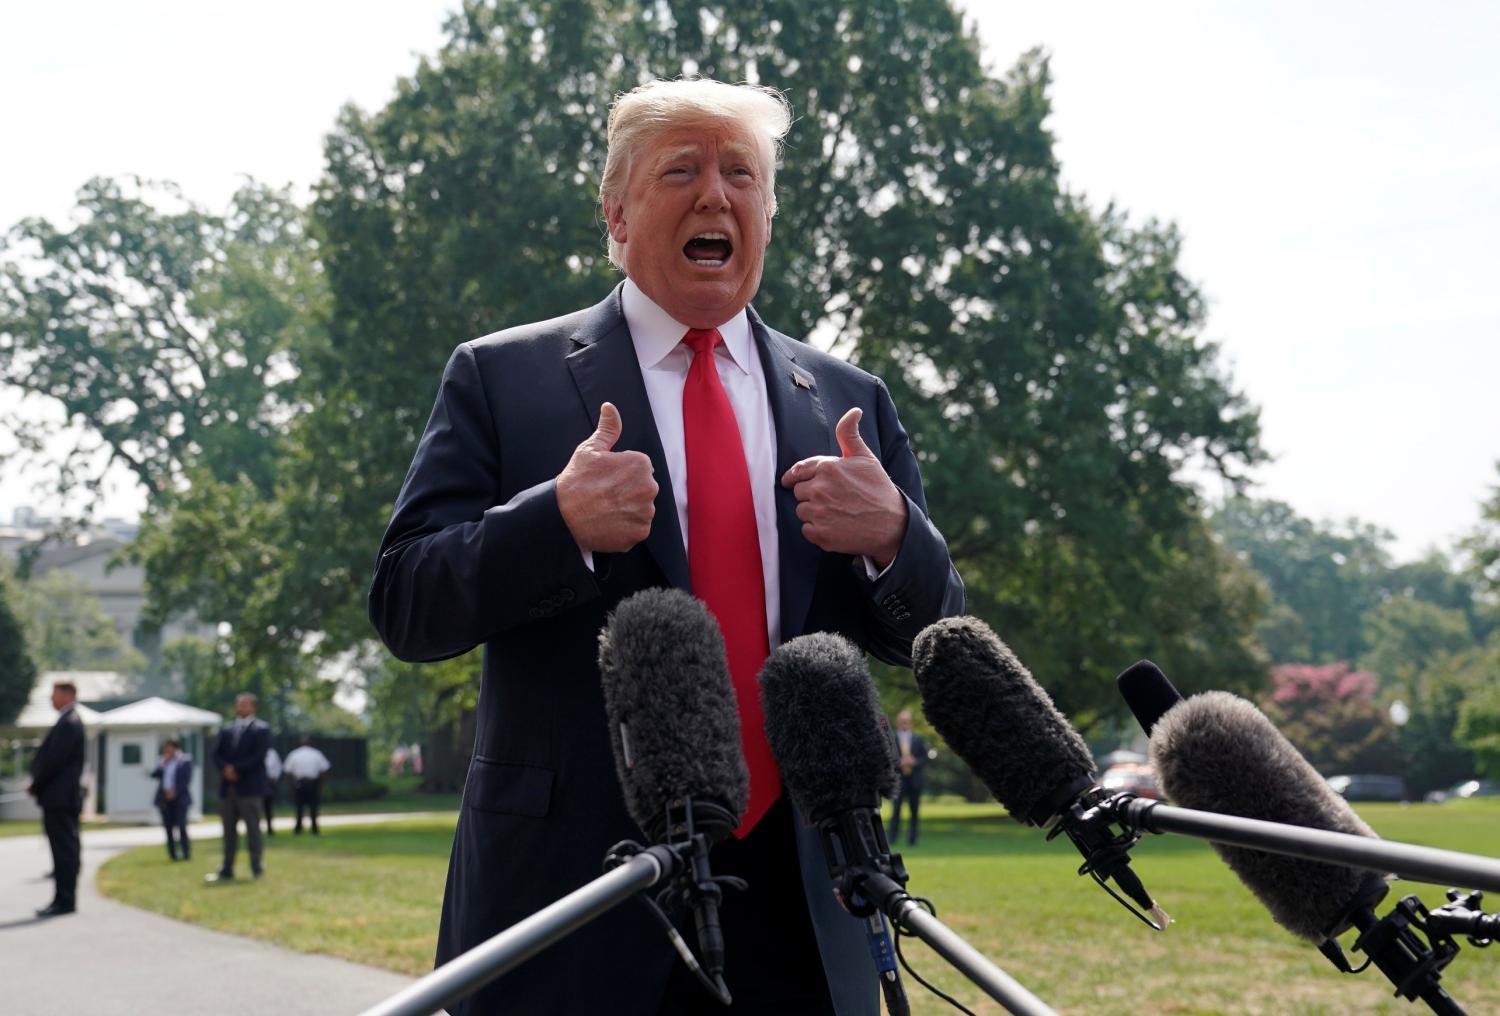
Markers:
point(608, 432)
point(847, 431)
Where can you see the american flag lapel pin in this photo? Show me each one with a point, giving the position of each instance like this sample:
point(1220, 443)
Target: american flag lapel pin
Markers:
point(801, 380)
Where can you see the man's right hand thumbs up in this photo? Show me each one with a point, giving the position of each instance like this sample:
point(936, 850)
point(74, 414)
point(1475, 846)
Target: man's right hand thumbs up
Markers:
point(607, 498)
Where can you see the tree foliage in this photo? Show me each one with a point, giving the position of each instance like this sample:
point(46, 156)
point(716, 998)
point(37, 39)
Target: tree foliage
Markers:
point(67, 628)
point(1483, 545)
point(1046, 355)
point(1323, 577)
point(1404, 636)
point(1479, 722)
point(171, 332)
point(17, 669)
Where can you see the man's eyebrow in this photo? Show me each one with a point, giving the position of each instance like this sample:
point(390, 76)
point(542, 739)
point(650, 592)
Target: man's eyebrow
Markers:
point(738, 153)
point(679, 153)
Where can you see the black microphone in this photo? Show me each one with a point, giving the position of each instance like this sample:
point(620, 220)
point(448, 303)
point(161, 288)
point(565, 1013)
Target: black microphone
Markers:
point(995, 716)
point(1147, 692)
point(1216, 752)
point(674, 726)
point(837, 760)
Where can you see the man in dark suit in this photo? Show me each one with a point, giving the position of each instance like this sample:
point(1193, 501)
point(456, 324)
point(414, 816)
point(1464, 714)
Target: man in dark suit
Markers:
point(56, 783)
point(174, 795)
point(912, 750)
point(664, 437)
point(241, 757)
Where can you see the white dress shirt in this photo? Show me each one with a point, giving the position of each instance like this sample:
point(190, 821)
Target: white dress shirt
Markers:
point(305, 763)
point(664, 364)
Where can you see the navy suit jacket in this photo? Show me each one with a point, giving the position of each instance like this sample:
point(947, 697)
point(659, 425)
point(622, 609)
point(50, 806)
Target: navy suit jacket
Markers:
point(182, 782)
point(248, 758)
point(478, 553)
point(917, 777)
point(57, 766)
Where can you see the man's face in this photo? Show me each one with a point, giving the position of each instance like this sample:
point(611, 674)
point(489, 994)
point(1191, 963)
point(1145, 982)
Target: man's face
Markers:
point(694, 222)
point(903, 720)
point(168, 750)
point(61, 699)
point(244, 706)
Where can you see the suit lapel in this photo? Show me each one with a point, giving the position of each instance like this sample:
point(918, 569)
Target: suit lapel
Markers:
point(605, 369)
point(801, 431)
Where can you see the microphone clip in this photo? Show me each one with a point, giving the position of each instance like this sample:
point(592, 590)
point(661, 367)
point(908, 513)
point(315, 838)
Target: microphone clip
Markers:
point(684, 832)
point(1404, 946)
point(855, 847)
point(1093, 824)
point(1462, 915)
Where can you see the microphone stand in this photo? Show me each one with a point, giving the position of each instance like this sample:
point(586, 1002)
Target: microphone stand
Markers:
point(1394, 943)
point(870, 880)
point(693, 823)
point(1417, 864)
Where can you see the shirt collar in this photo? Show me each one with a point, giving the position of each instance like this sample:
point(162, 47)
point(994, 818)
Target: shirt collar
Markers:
point(656, 333)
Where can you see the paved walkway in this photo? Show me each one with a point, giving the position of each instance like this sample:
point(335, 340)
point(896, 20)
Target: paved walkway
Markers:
point(112, 960)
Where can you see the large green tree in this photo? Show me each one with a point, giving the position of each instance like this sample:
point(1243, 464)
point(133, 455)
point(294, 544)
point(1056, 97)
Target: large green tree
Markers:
point(1046, 357)
point(172, 333)
point(67, 628)
point(1323, 577)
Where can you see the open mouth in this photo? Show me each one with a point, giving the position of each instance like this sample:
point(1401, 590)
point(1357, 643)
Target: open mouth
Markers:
point(709, 250)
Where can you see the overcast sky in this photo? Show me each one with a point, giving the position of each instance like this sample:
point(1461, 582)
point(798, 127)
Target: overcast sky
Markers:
point(1333, 167)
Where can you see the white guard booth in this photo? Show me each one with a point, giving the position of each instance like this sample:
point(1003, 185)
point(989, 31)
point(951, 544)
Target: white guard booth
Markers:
point(130, 746)
point(19, 741)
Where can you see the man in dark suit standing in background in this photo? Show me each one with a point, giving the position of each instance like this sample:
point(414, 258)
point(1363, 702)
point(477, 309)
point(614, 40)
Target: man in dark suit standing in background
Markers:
point(174, 794)
point(912, 750)
point(56, 778)
point(241, 757)
point(664, 437)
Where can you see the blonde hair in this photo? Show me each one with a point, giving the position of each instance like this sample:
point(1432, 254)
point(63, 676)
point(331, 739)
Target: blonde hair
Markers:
point(640, 115)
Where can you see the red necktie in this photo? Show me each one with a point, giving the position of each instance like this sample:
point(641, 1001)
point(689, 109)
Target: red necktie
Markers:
point(724, 554)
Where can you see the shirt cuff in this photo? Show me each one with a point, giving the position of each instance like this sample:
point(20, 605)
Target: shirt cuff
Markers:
point(871, 570)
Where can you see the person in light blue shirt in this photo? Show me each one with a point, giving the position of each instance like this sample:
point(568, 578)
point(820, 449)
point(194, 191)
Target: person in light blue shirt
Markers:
point(174, 795)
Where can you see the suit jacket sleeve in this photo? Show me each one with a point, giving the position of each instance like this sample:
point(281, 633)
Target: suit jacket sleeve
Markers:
point(63, 742)
point(183, 777)
point(458, 564)
point(921, 585)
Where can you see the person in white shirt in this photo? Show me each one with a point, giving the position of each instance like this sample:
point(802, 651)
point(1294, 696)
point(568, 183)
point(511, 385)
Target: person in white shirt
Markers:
point(273, 777)
point(307, 767)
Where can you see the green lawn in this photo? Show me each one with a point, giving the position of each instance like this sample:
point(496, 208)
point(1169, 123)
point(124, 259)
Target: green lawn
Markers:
point(372, 894)
point(365, 893)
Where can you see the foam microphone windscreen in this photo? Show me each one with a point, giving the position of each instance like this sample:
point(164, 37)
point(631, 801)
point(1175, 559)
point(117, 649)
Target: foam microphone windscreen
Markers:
point(673, 718)
point(995, 716)
point(825, 727)
point(1216, 752)
point(1147, 692)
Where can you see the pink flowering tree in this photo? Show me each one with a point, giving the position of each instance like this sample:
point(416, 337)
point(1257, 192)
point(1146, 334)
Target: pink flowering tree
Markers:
point(1330, 713)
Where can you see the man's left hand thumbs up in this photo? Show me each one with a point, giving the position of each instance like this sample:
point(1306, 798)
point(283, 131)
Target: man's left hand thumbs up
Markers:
point(847, 431)
point(849, 505)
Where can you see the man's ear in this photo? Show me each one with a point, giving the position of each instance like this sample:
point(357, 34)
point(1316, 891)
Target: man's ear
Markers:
point(614, 219)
